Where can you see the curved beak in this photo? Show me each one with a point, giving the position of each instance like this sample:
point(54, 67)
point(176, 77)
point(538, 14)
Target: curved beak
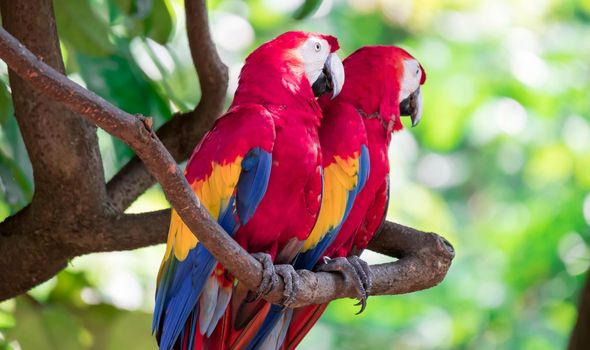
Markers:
point(332, 77)
point(411, 107)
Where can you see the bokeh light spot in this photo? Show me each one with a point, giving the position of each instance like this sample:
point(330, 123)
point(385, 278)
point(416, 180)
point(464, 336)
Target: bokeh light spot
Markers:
point(574, 253)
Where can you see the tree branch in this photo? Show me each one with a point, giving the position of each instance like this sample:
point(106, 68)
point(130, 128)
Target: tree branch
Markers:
point(426, 257)
point(63, 148)
point(184, 130)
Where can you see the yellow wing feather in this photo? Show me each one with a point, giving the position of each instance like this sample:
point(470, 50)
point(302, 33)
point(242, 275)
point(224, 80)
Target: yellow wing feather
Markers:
point(340, 177)
point(214, 192)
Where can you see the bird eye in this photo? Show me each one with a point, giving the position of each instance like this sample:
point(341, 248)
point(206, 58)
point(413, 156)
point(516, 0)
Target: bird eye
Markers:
point(318, 47)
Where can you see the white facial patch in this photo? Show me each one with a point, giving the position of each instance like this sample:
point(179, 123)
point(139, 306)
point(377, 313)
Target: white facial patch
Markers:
point(314, 52)
point(411, 79)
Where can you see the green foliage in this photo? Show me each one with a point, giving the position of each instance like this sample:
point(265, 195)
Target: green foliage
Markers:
point(498, 165)
point(81, 26)
point(307, 8)
point(5, 105)
point(150, 18)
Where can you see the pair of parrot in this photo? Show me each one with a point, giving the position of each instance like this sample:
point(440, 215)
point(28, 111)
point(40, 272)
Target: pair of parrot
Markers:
point(296, 171)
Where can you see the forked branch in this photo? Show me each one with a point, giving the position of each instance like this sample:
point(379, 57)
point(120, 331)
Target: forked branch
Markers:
point(425, 257)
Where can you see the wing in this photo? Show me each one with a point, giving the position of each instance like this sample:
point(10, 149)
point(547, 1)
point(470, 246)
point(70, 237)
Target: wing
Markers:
point(346, 169)
point(229, 172)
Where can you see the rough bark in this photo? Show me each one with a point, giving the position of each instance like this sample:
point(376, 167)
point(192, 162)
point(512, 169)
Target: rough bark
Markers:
point(63, 150)
point(46, 242)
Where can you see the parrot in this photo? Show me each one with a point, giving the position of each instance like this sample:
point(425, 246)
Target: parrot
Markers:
point(258, 173)
point(383, 83)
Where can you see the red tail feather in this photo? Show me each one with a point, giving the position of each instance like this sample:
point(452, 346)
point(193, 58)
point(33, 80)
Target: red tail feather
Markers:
point(303, 320)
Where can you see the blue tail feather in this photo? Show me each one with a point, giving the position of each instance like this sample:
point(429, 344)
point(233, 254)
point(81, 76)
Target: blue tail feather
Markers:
point(183, 282)
point(186, 279)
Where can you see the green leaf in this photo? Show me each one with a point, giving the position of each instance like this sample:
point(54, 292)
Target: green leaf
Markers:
point(14, 185)
point(5, 103)
point(120, 81)
point(138, 324)
point(139, 9)
point(80, 26)
point(160, 23)
point(150, 18)
point(307, 9)
point(125, 6)
point(6, 320)
point(16, 173)
point(40, 326)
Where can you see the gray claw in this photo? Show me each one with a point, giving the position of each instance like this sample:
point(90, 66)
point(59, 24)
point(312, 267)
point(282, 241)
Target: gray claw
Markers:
point(364, 271)
point(292, 283)
point(354, 269)
point(268, 271)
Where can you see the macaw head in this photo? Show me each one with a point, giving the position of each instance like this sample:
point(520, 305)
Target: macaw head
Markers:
point(297, 63)
point(384, 80)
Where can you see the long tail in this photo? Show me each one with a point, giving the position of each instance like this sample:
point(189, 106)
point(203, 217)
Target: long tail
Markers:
point(179, 295)
point(209, 310)
point(191, 297)
point(301, 322)
point(271, 334)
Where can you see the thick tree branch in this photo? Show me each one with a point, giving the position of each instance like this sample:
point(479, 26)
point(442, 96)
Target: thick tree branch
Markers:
point(426, 257)
point(63, 148)
point(184, 130)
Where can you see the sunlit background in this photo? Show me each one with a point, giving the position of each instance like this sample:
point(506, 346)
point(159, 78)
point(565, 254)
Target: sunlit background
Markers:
point(499, 165)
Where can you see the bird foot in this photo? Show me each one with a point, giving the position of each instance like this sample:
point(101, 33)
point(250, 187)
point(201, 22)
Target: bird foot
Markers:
point(354, 269)
point(268, 272)
point(292, 282)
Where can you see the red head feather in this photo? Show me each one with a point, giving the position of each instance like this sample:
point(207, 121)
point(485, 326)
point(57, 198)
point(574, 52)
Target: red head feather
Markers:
point(273, 66)
point(373, 78)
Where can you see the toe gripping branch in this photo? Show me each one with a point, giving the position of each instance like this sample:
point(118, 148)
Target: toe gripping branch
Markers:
point(423, 259)
point(355, 271)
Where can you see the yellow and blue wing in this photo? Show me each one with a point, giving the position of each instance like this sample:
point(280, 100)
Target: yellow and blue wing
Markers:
point(229, 172)
point(343, 179)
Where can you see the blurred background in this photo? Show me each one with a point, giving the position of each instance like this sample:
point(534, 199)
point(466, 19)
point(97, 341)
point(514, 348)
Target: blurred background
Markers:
point(499, 165)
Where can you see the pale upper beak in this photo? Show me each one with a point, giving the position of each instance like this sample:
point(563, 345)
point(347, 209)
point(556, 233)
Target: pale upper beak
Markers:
point(411, 106)
point(332, 77)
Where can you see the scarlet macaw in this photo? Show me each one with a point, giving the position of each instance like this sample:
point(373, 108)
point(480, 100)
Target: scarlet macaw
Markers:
point(382, 83)
point(258, 173)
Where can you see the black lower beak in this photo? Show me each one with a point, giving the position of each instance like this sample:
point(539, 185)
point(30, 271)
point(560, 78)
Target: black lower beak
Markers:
point(323, 83)
point(411, 107)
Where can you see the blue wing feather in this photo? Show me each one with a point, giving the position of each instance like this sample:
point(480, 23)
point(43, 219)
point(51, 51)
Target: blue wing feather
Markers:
point(253, 182)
